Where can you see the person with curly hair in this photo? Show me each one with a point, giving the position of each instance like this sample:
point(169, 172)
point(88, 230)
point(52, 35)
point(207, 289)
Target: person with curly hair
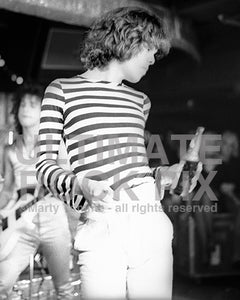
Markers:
point(49, 228)
point(124, 238)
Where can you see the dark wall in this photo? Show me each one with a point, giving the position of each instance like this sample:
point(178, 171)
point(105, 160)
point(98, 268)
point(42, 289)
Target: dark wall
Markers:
point(186, 93)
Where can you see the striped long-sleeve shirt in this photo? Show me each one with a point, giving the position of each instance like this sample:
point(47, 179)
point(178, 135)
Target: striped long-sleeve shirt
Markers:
point(102, 124)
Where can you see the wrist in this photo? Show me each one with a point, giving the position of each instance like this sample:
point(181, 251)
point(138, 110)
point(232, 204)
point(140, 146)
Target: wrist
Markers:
point(166, 175)
point(80, 203)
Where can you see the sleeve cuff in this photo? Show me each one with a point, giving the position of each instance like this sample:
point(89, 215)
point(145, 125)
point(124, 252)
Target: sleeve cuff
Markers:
point(79, 202)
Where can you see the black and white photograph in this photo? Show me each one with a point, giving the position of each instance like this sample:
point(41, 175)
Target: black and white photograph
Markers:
point(119, 149)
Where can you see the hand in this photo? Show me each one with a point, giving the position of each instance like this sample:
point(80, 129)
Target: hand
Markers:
point(176, 172)
point(194, 180)
point(166, 177)
point(170, 175)
point(98, 194)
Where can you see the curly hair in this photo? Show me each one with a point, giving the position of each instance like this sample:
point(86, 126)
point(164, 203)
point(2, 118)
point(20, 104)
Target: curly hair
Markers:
point(120, 34)
point(27, 88)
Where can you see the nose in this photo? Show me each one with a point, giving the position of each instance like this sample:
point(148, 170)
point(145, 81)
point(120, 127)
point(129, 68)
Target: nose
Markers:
point(152, 60)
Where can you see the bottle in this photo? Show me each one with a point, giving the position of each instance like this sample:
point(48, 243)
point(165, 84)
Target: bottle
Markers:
point(191, 160)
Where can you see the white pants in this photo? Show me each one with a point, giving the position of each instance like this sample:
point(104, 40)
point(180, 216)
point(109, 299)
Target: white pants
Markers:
point(51, 232)
point(127, 254)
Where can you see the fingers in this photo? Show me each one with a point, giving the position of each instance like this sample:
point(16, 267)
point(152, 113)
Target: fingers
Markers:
point(176, 174)
point(102, 191)
point(104, 204)
point(196, 177)
point(178, 168)
point(199, 168)
point(98, 194)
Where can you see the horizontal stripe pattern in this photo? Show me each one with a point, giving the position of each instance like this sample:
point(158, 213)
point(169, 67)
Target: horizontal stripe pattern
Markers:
point(103, 127)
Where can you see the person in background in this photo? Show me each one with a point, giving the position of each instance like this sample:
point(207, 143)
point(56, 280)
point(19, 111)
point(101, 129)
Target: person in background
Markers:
point(228, 179)
point(123, 253)
point(211, 157)
point(49, 228)
point(227, 183)
point(225, 186)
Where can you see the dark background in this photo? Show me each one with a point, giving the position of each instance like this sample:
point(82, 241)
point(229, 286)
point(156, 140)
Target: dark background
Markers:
point(185, 92)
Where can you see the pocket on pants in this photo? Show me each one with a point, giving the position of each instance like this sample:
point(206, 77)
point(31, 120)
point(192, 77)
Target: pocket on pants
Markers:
point(91, 234)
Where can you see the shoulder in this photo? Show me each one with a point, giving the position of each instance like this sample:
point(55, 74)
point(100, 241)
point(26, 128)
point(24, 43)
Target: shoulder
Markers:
point(61, 86)
point(12, 147)
point(9, 150)
point(55, 85)
point(59, 83)
point(138, 93)
point(55, 92)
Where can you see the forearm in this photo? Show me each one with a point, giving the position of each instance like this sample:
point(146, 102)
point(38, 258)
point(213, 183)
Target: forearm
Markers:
point(167, 177)
point(163, 174)
point(62, 184)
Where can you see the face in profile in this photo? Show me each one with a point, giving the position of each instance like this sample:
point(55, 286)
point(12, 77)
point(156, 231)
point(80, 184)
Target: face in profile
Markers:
point(230, 145)
point(29, 111)
point(137, 66)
